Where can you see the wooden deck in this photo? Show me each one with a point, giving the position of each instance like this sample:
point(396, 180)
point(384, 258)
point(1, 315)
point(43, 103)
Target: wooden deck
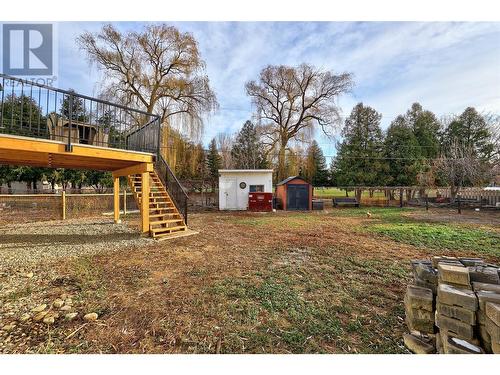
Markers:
point(35, 152)
point(16, 150)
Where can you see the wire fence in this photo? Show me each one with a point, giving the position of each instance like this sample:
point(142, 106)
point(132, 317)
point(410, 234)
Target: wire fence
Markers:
point(42, 207)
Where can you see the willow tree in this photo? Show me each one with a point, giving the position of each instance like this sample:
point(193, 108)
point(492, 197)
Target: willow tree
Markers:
point(157, 69)
point(291, 101)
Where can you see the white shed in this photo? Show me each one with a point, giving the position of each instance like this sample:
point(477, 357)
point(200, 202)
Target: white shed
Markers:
point(235, 184)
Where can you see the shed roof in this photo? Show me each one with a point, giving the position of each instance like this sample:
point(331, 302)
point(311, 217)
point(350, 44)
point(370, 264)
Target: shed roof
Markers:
point(287, 180)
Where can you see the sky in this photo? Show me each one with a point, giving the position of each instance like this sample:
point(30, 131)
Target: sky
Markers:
point(445, 66)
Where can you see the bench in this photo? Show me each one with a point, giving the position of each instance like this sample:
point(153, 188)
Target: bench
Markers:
point(346, 201)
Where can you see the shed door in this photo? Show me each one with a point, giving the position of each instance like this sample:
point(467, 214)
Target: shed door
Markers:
point(230, 194)
point(297, 197)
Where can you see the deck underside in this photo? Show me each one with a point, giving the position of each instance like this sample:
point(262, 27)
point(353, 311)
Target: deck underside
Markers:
point(15, 150)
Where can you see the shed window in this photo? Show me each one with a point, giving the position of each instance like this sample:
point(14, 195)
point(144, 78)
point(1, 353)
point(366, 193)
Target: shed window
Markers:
point(256, 188)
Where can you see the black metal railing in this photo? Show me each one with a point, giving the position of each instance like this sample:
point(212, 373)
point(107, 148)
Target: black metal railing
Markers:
point(34, 110)
point(173, 186)
point(30, 109)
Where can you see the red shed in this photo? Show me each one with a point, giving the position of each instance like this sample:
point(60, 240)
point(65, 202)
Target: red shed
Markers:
point(294, 194)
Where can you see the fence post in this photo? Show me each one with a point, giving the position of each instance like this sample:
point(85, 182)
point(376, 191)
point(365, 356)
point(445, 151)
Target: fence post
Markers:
point(400, 198)
point(459, 205)
point(124, 202)
point(427, 202)
point(63, 204)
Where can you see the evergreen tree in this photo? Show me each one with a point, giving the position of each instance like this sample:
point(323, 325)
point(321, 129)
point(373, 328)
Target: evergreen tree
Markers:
point(247, 151)
point(402, 153)
point(359, 160)
point(23, 116)
point(78, 110)
point(425, 127)
point(316, 172)
point(214, 160)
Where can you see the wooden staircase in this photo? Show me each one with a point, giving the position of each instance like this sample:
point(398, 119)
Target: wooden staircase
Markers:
point(165, 220)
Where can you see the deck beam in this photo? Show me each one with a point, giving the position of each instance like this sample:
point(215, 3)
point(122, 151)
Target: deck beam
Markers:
point(134, 169)
point(16, 150)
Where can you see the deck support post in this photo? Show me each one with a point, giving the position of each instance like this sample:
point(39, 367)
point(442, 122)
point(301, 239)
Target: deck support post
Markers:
point(116, 199)
point(145, 202)
point(124, 202)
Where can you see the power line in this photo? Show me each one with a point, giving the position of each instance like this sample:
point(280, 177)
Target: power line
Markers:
point(345, 157)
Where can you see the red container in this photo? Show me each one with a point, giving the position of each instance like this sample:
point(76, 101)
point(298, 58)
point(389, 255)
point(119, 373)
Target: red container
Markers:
point(260, 202)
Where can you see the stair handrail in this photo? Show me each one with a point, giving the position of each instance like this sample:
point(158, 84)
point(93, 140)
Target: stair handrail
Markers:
point(173, 186)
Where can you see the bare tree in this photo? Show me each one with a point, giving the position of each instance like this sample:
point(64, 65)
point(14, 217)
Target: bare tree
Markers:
point(290, 101)
point(460, 165)
point(225, 143)
point(158, 69)
point(493, 124)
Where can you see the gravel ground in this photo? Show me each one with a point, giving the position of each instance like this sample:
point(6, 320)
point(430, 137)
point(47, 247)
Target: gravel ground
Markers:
point(29, 253)
point(24, 245)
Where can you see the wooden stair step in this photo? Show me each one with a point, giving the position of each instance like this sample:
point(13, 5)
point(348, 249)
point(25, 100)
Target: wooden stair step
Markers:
point(167, 229)
point(155, 196)
point(161, 209)
point(163, 215)
point(168, 221)
point(162, 232)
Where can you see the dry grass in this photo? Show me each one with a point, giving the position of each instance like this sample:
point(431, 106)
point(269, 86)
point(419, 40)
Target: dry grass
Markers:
point(256, 283)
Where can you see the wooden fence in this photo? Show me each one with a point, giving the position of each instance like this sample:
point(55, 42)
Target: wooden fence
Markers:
point(477, 195)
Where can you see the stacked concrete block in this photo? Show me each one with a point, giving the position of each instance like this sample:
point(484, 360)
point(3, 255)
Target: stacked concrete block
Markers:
point(459, 291)
point(419, 307)
point(484, 273)
point(425, 275)
point(456, 309)
point(492, 325)
point(487, 327)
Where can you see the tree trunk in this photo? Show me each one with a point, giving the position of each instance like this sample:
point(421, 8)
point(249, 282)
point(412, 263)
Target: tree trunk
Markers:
point(453, 193)
point(282, 162)
point(358, 195)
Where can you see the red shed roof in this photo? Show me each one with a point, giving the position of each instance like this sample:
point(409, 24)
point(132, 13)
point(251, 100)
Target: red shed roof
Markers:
point(287, 180)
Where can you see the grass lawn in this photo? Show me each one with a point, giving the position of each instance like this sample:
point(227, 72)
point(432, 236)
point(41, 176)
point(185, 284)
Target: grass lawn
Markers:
point(318, 282)
point(331, 192)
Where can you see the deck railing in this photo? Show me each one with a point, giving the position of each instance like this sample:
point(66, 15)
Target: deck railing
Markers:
point(30, 109)
point(34, 110)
